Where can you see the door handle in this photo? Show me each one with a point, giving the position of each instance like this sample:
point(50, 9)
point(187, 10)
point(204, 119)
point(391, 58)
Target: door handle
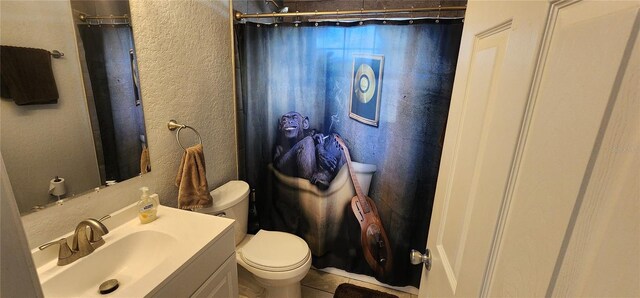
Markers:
point(416, 258)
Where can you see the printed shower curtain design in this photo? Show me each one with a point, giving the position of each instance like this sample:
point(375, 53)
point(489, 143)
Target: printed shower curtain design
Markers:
point(298, 88)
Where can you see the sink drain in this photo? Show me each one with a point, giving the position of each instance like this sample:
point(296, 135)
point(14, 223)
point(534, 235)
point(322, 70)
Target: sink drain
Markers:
point(109, 286)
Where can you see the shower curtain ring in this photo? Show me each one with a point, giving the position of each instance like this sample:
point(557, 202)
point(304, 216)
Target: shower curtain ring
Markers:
point(438, 17)
point(411, 15)
point(315, 16)
point(361, 14)
point(337, 17)
point(384, 15)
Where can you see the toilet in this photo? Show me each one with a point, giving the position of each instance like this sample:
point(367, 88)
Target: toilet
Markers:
point(277, 261)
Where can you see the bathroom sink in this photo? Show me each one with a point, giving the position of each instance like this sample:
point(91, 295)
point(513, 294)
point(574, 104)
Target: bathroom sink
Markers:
point(127, 259)
point(141, 257)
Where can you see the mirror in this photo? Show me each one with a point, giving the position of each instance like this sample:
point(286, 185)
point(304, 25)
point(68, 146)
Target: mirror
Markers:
point(95, 134)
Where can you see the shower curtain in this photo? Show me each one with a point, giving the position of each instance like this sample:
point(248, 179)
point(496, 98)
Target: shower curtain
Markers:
point(385, 90)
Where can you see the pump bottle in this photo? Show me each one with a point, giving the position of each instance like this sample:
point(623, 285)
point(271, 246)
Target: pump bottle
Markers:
point(147, 207)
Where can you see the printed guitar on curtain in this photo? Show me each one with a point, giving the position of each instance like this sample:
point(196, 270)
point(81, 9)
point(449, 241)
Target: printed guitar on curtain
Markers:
point(341, 130)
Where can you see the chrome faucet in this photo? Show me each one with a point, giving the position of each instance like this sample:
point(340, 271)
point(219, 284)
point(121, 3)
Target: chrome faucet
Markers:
point(86, 238)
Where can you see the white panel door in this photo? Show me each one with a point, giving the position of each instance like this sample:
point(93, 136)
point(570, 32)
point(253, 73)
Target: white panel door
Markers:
point(539, 173)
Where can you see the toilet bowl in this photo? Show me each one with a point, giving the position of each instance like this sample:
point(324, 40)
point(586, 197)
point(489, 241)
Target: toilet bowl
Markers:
point(322, 210)
point(276, 260)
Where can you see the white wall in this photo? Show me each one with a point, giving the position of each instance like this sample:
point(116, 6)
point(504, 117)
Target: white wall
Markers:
point(43, 141)
point(17, 273)
point(184, 59)
point(256, 6)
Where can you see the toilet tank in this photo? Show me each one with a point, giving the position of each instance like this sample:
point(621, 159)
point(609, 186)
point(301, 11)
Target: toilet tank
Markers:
point(231, 200)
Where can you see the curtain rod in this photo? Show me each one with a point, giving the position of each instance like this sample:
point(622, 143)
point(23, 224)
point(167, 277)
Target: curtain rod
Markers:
point(86, 18)
point(239, 15)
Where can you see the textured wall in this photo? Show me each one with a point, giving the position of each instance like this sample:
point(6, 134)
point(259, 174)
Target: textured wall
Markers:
point(184, 59)
point(42, 141)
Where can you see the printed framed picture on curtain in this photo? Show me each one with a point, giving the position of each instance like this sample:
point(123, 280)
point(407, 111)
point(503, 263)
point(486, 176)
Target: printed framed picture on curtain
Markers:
point(366, 87)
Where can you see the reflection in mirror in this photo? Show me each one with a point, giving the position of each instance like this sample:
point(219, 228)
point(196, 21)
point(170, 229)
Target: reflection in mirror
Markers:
point(95, 134)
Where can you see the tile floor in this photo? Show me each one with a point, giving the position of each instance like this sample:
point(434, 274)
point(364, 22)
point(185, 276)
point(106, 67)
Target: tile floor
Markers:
point(319, 284)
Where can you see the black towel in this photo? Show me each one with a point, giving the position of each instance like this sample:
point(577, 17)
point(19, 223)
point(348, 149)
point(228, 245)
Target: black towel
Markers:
point(27, 75)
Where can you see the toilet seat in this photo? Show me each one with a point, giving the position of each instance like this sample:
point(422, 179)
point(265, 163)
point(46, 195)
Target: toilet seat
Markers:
point(275, 251)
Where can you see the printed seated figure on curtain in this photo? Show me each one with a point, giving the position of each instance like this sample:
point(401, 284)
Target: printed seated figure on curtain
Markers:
point(302, 152)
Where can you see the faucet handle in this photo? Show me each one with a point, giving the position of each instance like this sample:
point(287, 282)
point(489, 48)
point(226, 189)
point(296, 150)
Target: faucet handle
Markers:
point(63, 253)
point(62, 242)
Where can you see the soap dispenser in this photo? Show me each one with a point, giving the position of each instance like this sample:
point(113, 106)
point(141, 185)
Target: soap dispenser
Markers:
point(147, 207)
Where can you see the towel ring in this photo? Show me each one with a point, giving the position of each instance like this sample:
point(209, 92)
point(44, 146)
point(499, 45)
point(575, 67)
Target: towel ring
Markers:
point(173, 125)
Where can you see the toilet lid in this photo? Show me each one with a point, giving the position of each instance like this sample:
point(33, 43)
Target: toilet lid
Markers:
point(275, 251)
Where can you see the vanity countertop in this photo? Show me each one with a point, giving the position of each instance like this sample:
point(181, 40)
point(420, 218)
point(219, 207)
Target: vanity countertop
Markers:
point(143, 257)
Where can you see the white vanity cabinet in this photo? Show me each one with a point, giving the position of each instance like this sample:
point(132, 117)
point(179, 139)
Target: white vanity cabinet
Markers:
point(210, 273)
point(222, 283)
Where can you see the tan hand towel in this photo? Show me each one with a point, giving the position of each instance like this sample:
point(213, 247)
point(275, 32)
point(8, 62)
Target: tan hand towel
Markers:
point(145, 164)
point(193, 190)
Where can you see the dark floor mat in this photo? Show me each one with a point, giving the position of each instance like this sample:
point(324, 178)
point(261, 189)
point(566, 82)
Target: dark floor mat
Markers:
point(353, 291)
